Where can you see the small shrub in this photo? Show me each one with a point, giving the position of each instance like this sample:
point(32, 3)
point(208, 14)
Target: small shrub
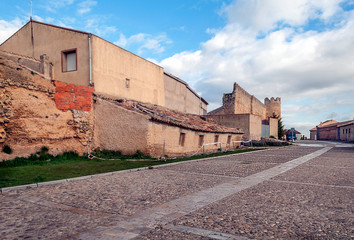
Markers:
point(272, 137)
point(138, 155)
point(39, 178)
point(150, 167)
point(7, 149)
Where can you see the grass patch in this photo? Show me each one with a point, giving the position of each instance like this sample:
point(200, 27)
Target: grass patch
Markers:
point(42, 167)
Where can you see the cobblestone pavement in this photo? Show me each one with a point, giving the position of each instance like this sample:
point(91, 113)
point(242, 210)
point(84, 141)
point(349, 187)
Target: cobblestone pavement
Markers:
point(296, 192)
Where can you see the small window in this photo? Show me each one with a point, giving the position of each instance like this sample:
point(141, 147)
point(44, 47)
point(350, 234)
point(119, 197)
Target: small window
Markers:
point(346, 130)
point(349, 130)
point(201, 140)
point(216, 139)
point(182, 137)
point(343, 131)
point(127, 83)
point(229, 139)
point(69, 60)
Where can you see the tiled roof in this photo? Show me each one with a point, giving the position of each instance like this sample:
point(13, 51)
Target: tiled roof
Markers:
point(172, 117)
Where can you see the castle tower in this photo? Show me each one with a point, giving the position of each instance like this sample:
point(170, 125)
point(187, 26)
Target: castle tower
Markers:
point(273, 106)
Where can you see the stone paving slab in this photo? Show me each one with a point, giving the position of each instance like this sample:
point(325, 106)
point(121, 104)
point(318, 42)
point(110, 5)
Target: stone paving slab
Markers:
point(315, 174)
point(293, 211)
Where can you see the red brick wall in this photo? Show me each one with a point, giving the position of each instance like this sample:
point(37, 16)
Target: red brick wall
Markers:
point(71, 96)
point(327, 133)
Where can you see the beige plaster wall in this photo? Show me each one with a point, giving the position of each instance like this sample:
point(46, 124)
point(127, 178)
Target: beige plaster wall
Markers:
point(111, 66)
point(348, 134)
point(273, 127)
point(52, 40)
point(175, 94)
point(160, 132)
point(313, 135)
point(181, 98)
point(117, 128)
point(250, 124)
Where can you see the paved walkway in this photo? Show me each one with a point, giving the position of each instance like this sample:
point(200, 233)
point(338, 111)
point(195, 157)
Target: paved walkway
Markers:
point(297, 192)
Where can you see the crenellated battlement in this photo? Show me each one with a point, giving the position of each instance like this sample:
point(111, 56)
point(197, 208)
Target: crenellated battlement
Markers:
point(273, 106)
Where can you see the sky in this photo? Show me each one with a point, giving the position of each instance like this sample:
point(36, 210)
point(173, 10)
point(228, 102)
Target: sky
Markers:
point(299, 50)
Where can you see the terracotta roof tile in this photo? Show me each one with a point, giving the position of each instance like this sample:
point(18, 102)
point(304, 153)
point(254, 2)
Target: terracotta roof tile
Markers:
point(172, 117)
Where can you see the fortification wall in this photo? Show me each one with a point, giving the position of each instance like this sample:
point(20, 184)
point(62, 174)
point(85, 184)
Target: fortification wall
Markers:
point(273, 106)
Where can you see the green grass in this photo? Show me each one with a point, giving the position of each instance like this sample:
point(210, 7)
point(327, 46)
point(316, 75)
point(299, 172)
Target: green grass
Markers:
point(42, 167)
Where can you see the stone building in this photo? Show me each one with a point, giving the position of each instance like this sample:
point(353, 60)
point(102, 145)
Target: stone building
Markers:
point(243, 110)
point(98, 96)
point(82, 58)
point(333, 130)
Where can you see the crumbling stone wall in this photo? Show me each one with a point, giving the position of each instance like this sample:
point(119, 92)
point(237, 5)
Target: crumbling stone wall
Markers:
point(30, 119)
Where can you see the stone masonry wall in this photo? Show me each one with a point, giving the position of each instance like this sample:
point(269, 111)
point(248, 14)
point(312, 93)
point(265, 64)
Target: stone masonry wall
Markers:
point(30, 119)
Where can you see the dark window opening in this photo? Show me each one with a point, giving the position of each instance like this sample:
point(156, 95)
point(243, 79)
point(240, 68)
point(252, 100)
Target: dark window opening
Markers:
point(201, 140)
point(127, 83)
point(182, 137)
point(69, 60)
point(229, 139)
point(216, 139)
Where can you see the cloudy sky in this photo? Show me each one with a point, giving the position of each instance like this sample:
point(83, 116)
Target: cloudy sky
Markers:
point(299, 50)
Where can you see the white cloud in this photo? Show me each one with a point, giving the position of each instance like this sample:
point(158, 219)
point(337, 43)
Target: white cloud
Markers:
point(144, 42)
point(52, 6)
point(284, 62)
point(97, 26)
point(7, 28)
point(86, 6)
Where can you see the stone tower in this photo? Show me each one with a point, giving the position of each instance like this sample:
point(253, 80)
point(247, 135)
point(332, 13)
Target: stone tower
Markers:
point(273, 106)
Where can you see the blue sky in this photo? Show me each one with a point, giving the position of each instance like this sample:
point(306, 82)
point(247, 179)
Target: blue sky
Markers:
point(301, 51)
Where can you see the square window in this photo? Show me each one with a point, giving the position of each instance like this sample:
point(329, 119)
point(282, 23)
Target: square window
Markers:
point(69, 60)
point(182, 137)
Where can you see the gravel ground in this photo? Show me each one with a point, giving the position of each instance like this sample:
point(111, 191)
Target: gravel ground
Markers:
point(281, 211)
point(314, 174)
point(222, 167)
point(24, 220)
point(329, 162)
point(125, 193)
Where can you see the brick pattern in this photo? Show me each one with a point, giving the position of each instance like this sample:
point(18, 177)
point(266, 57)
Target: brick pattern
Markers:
point(71, 96)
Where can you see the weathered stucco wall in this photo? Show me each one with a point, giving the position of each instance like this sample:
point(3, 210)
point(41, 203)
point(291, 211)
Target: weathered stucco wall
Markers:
point(119, 73)
point(117, 128)
point(178, 96)
point(346, 133)
point(29, 118)
point(52, 40)
point(250, 124)
point(173, 147)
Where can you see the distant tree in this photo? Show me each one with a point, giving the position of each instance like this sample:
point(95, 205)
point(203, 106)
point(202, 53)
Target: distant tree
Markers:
point(280, 126)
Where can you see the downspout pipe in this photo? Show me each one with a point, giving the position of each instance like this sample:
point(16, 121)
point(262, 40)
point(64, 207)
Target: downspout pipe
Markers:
point(90, 59)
